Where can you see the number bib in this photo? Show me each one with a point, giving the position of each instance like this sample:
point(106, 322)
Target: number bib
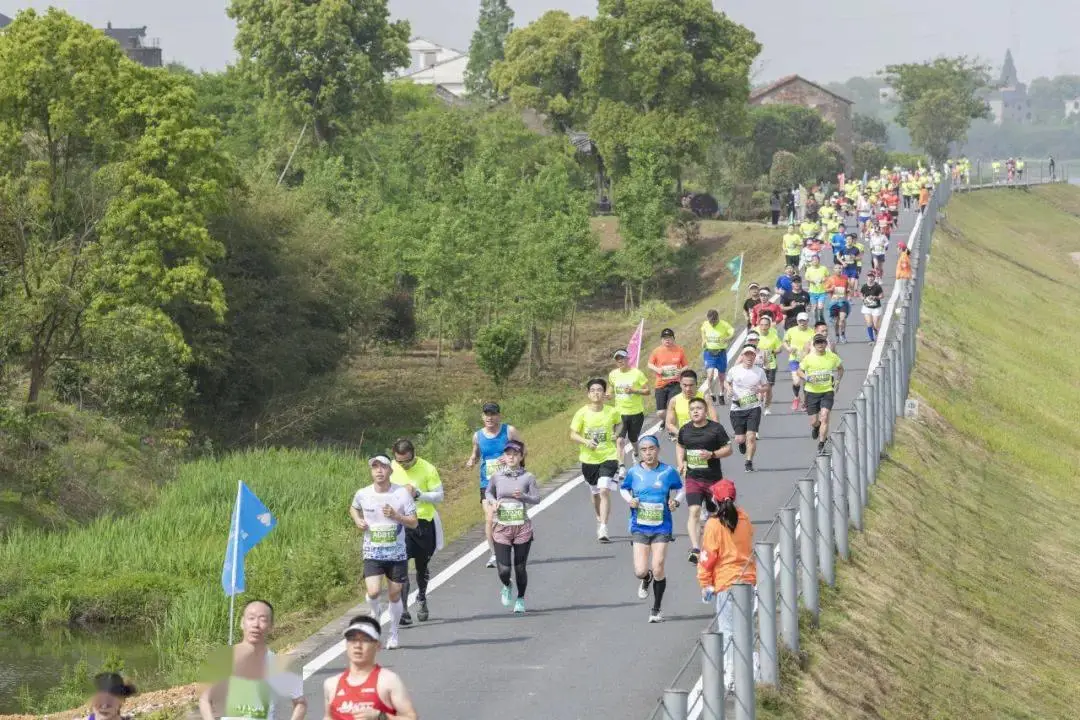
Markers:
point(668, 371)
point(622, 392)
point(493, 467)
point(597, 434)
point(697, 459)
point(383, 535)
point(650, 514)
point(820, 377)
point(749, 401)
point(511, 512)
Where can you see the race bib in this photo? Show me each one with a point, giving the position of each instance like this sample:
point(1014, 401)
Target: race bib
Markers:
point(747, 401)
point(697, 459)
point(668, 371)
point(383, 534)
point(839, 292)
point(622, 392)
point(650, 514)
point(598, 435)
point(820, 377)
point(511, 512)
point(493, 467)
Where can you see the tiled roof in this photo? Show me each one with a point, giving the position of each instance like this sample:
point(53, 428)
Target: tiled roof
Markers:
point(787, 79)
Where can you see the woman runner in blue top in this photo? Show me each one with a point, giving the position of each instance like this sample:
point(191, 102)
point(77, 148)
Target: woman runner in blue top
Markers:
point(647, 488)
point(488, 444)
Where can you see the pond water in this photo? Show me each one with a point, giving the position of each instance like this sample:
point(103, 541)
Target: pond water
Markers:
point(38, 660)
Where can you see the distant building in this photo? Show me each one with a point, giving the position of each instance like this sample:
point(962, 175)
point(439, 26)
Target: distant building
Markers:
point(134, 44)
point(1009, 101)
point(4, 21)
point(1072, 107)
point(438, 65)
point(796, 90)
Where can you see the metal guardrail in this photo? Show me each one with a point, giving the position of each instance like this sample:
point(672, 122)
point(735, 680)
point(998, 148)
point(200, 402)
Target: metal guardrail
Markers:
point(813, 523)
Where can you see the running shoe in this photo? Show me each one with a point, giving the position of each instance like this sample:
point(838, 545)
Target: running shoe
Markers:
point(815, 430)
point(656, 616)
point(768, 410)
point(504, 595)
point(722, 401)
point(843, 339)
point(602, 534)
point(749, 467)
point(422, 614)
point(406, 619)
point(392, 642)
point(821, 448)
point(692, 556)
point(519, 605)
point(643, 588)
point(795, 404)
point(491, 561)
point(742, 448)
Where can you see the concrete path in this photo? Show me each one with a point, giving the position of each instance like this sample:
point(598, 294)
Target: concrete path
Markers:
point(584, 649)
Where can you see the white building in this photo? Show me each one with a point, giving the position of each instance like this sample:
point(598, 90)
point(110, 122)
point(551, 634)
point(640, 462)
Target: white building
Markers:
point(1072, 107)
point(438, 65)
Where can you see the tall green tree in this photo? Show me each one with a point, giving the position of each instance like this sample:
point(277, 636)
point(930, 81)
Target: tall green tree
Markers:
point(107, 176)
point(938, 100)
point(869, 129)
point(323, 62)
point(487, 47)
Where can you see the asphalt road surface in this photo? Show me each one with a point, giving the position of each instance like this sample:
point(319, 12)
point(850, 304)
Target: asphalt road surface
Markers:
point(584, 649)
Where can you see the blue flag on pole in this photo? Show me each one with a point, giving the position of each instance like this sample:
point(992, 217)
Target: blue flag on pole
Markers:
point(735, 266)
point(251, 522)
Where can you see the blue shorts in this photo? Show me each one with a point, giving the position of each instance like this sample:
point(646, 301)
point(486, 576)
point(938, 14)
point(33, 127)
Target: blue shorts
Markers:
point(793, 365)
point(715, 362)
point(863, 219)
point(852, 272)
point(836, 308)
point(817, 298)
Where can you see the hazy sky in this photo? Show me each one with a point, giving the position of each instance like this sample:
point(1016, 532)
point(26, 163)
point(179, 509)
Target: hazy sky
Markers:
point(1044, 34)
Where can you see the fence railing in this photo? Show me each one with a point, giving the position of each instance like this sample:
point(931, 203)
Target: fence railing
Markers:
point(812, 525)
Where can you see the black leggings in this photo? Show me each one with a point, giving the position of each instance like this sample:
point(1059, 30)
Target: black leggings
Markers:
point(520, 557)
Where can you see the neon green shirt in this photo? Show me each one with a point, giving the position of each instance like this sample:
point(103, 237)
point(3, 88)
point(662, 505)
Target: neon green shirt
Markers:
point(424, 477)
point(715, 337)
point(598, 425)
point(792, 243)
point(622, 382)
point(797, 338)
point(820, 371)
point(770, 344)
point(816, 277)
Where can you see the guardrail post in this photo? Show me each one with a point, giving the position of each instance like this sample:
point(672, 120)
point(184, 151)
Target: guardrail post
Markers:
point(873, 415)
point(765, 553)
point(826, 546)
point(866, 466)
point(745, 703)
point(712, 676)
point(789, 592)
point(883, 414)
point(854, 471)
point(901, 378)
point(839, 480)
point(889, 391)
point(676, 704)
point(808, 548)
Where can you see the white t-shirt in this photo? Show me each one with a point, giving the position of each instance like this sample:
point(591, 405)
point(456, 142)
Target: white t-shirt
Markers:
point(744, 385)
point(878, 243)
point(384, 539)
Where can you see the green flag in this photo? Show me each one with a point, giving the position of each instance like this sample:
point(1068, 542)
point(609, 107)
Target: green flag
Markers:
point(735, 266)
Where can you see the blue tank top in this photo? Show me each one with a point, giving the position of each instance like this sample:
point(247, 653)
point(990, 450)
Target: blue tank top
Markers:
point(491, 450)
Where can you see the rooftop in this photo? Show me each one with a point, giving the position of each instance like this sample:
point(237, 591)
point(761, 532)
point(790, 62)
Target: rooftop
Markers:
point(788, 79)
point(127, 37)
point(4, 20)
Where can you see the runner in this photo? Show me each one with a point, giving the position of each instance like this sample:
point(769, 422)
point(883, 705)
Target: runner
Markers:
point(748, 385)
point(667, 361)
point(110, 692)
point(904, 272)
point(766, 306)
point(421, 480)
point(647, 490)
point(797, 341)
point(715, 336)
point(769, 344)
point(382, 511)
point(790, 245)
point(872, 294)
point(678, 413)
point(701, 444)
point(627, 385)
point(879, 246)
point(510, 491)
point(256, 676)
point(488, 444)
point(727, 557)
point(751, 300)
point(850, 262)
point(839, 305)
point(815, 276)
point(783, 282)
point(365, 690)
point(595, 427)
point(794, 303)
point(821, 371)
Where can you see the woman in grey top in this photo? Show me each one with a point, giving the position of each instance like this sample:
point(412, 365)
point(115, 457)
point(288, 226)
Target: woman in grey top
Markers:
point(510, 490)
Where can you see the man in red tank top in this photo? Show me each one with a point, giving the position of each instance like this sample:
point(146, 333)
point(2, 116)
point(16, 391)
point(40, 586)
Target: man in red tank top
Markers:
point(366, 691)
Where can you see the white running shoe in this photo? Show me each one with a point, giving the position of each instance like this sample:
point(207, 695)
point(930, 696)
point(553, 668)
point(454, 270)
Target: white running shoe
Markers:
point(656, 617)
point(392, 642)
point(768, 411)
point(602, 534)
point(643, 588)
point(491, 561)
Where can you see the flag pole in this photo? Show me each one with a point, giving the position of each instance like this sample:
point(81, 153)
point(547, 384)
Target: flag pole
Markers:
point(235, 553)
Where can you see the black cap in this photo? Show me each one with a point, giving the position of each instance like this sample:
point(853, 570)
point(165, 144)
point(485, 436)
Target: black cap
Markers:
point(821, 339)
point(515, 445)
point(491, 408)
point(113, 684)
point(667, 332)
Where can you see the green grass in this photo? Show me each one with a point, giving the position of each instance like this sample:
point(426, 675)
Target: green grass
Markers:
point(962, 599)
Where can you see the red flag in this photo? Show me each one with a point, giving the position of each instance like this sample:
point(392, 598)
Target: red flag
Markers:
point(633, 348)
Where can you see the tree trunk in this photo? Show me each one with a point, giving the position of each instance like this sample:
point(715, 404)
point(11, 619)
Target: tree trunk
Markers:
point(37, 376)
point(641, 294)
point(549, 343)
point(537, 350)
point(438, 345)
point(570, 340)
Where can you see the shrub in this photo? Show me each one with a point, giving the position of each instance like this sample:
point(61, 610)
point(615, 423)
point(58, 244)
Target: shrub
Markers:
point(499, 348)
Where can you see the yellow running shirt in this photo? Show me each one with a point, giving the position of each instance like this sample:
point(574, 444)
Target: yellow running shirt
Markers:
point(622, 383)
point(819, 371)
point(598, 425)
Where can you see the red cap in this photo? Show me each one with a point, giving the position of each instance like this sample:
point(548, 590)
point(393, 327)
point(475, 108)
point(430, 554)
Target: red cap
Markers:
point(901, 245)
point(723, 490)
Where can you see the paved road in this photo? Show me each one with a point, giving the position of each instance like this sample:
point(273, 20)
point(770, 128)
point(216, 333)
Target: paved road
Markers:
point(584, 649)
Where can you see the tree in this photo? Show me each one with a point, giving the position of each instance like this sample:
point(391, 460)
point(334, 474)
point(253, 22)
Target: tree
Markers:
point(938, 100)
point(323, 62)
point(784, 127)
point(487, 47)
point(107, 176)
point(784, 172)
point(870, 129)
point(646, 202)
point(499, 348)
point(869, 158)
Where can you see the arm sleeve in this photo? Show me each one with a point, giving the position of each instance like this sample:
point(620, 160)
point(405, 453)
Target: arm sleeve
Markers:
point(625, 492)
point(531, 495)
point(435, 495)
point(709, 555)
point(493, 483)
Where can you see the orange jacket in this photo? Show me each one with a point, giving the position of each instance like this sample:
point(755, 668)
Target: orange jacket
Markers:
point(727, 557)
point(903, 267)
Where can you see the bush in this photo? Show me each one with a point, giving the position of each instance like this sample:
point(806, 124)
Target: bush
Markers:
point(784, 172)
point(869, 158)
point(656, 311)
point(499, 348)
point(759, 205)
point(905, 160)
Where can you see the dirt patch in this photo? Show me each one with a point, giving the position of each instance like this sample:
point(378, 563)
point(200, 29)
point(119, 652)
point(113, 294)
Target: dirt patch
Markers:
point(176, 700)
point(1075, 257)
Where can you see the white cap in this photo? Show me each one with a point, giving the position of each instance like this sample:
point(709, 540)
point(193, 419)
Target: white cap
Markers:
point(382, 459)
point(802, 316)
point(368, 628)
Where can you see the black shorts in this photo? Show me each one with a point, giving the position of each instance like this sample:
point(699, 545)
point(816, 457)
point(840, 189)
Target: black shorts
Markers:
point(658, 538)
point(770, 375)
point(792, 260)
point(745, 420)
point(593, 473)
point(395, 570)
point(816, 402)
point(664, 394)
point(420, 541)
point(631, 426)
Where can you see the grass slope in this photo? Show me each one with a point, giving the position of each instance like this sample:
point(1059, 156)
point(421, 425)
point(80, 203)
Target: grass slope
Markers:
point(962, 599)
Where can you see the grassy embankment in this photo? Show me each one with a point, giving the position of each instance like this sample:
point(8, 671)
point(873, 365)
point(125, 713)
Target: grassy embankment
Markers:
point(162, 566)
point(962, 599)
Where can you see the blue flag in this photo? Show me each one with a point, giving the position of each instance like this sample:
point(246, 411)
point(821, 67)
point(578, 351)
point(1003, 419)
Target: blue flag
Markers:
point(735, 266)
point(251, 522)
